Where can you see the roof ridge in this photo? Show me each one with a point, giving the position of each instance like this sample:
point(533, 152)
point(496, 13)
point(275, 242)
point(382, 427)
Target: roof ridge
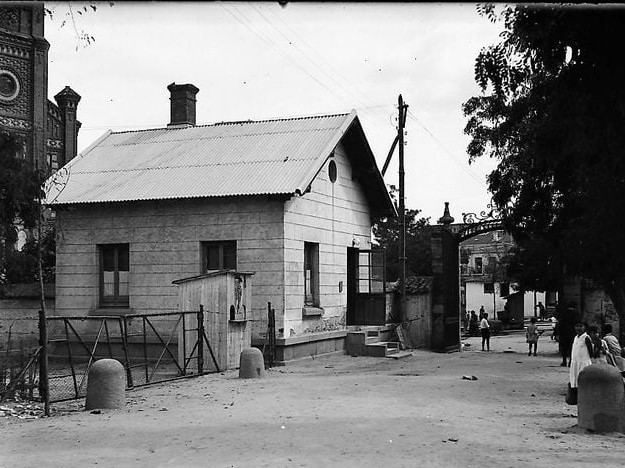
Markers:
point(235, 122)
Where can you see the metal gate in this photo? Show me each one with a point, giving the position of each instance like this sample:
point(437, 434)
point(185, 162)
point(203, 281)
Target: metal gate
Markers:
point(152, 347)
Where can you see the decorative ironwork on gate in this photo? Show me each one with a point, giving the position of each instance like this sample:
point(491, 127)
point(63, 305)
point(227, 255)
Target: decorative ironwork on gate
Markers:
point(477, 223)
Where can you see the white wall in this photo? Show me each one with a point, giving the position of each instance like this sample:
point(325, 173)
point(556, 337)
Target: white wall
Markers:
point(332, 215)
point(476, 298)
point(165, 239)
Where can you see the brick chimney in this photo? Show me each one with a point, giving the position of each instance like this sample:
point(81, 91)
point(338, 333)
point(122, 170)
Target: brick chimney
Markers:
point(182, 104)
point(68, 100)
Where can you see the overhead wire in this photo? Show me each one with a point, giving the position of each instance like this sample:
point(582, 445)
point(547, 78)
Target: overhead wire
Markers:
point(360, 96)
point(363, 106)
point(350, 89)
point(249, 25)
point(447, 151)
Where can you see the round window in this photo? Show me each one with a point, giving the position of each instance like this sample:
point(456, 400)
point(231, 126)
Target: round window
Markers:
point(9, 86)
point(332, 171)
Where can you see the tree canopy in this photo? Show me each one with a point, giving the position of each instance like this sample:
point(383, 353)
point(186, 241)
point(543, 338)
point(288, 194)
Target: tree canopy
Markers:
point(552, 112)
point(418, 257)
point(19, 194)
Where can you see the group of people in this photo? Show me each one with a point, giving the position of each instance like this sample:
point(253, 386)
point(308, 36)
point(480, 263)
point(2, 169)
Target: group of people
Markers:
point(589, 348)
point(473, 323)
point(580, 346)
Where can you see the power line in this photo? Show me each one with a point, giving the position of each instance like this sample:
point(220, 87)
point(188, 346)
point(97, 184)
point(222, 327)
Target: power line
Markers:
point(349, 88)
point(249, 24)
point(448, 152)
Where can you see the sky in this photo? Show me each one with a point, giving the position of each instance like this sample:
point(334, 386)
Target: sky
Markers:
point(262, 60)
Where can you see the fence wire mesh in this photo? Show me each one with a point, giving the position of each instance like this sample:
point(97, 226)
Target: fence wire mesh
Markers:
point(152, 347)
point(74, 344)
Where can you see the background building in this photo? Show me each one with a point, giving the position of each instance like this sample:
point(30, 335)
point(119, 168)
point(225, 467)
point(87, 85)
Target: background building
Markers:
point(484, 281)
point(49, 130)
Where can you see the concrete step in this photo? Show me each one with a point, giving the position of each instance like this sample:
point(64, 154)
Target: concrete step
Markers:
point(382, 349)
point(399, 354)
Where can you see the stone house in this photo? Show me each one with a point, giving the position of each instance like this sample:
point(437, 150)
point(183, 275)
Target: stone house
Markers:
point(291, 200)
point(484, 282)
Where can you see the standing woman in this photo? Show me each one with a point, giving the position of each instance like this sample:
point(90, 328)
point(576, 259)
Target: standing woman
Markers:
point(580, 354)
point(485, 331)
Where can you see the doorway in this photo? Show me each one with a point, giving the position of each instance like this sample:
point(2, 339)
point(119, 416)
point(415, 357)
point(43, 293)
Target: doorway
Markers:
point(366, 287)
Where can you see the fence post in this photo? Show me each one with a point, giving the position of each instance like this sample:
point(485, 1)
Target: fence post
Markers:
point(44, 387)
point(273, 335)
point(200, 341)
point(123, 327)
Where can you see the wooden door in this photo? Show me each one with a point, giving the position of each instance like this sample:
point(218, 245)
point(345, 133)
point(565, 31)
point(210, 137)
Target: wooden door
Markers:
point(366, 287)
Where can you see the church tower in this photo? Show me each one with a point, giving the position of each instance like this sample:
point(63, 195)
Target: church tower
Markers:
point(49, 132)
point(24, 76)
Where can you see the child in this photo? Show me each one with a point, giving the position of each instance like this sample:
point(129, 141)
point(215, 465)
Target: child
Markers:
point(531, 336)
point(599, 346)
point(580, 354)
point(485, 331)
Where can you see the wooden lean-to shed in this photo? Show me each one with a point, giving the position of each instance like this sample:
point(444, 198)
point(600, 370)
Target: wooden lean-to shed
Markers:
point(225, 298)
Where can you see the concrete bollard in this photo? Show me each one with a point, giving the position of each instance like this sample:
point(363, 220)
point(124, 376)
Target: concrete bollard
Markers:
point(106, 385)
point(601, 399)
point(252, 364)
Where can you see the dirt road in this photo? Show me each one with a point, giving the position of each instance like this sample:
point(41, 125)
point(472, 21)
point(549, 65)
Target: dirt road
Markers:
point(335, 411)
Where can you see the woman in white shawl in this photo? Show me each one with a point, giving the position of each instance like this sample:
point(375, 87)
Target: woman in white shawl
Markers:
point(580, 354)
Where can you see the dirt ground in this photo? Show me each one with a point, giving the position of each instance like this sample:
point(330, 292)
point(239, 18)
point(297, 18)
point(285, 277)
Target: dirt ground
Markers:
point(335, 411)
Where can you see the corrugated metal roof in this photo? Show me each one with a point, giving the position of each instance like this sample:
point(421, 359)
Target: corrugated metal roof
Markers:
point(226, 159)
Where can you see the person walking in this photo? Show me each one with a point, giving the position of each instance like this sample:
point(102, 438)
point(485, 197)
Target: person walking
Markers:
point(485, 332)
point(580, 354)
point(566, 334)
point(531, 336)
point(473, 324)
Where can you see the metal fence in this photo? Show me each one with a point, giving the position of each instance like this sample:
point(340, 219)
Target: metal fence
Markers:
point(152, 347)
point(19, 372)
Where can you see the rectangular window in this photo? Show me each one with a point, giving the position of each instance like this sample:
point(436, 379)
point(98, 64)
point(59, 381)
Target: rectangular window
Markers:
point(114, 275)
point(311, 274)
point(478, 265)
point(371, 268)
point(219, 256)
point(489, 288)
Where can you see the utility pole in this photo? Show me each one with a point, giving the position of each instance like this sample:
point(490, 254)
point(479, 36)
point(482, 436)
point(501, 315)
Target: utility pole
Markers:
point(399, 139)
point(402, 108)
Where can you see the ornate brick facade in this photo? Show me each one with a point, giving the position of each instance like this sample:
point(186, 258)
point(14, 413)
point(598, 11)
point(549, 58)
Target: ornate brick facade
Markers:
point(49, 131)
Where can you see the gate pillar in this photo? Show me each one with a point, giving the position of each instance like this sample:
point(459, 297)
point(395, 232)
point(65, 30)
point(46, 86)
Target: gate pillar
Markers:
point(445, 295)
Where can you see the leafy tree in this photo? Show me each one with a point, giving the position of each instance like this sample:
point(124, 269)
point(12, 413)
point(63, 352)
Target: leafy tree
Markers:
point(19, 194)
point(552, 112)
point(418, 256)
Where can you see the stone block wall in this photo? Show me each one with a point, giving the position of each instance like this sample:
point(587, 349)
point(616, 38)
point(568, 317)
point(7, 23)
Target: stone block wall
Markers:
point(331, 215)
point(165, 241)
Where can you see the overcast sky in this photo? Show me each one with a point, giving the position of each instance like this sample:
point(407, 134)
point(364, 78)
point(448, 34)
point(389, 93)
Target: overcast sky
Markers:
point(262, 61)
